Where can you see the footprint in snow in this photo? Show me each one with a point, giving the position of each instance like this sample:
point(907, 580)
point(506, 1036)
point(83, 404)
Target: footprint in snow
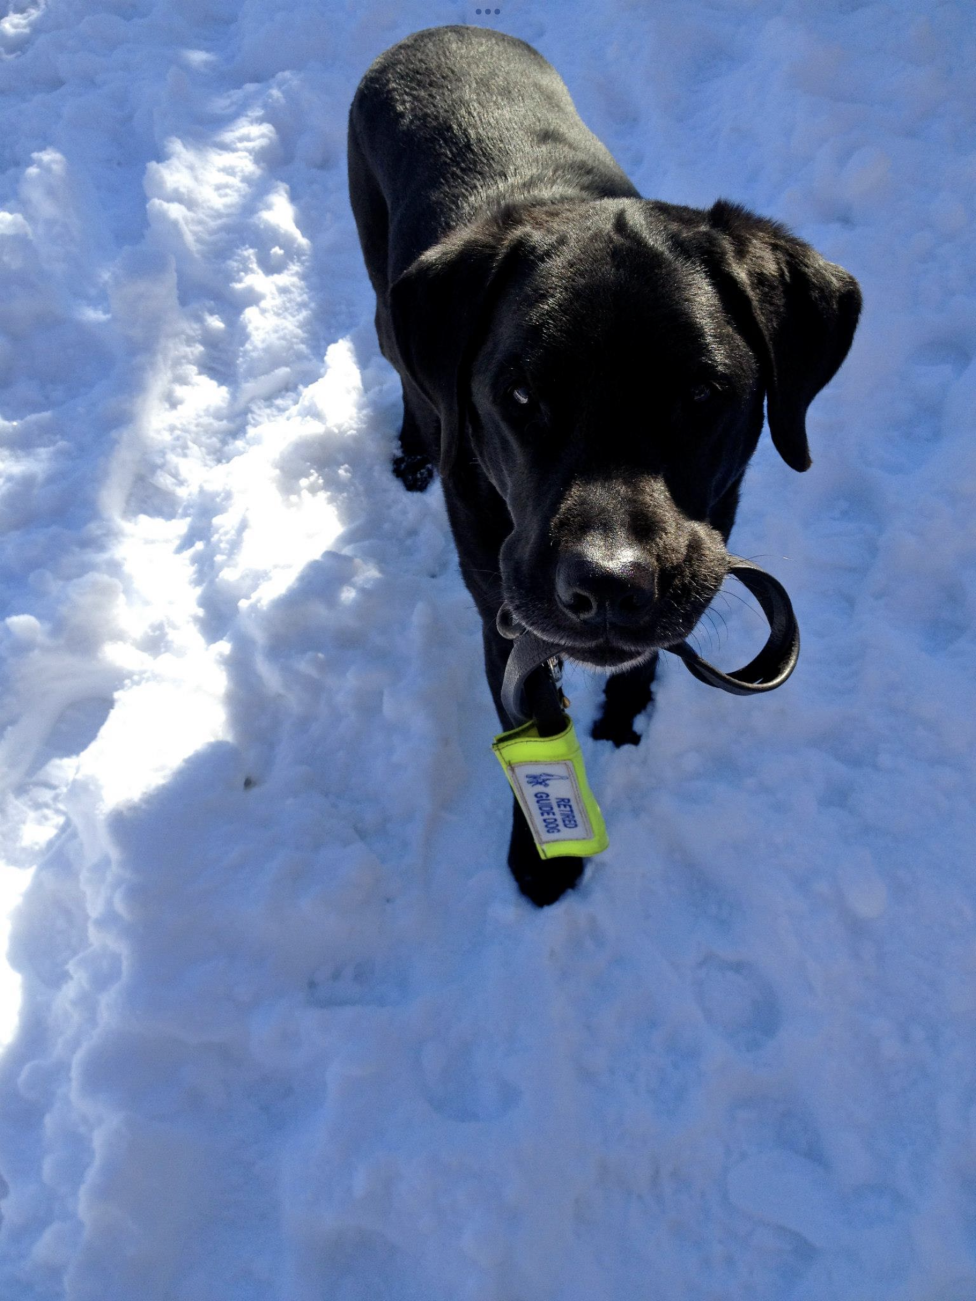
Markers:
point(791, 1192)
point(960, 1289)
point(738, 1002)
point(349, 1263)
point(460, 1083)
point(860, 1235)
point(359, 982)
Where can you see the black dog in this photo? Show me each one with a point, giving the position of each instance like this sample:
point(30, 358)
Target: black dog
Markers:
point(586, 368)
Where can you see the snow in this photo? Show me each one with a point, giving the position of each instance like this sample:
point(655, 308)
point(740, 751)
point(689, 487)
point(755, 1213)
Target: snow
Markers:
point(287, 1029)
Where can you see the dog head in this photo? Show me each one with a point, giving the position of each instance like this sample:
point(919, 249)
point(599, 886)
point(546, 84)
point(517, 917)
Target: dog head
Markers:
point(603, 365)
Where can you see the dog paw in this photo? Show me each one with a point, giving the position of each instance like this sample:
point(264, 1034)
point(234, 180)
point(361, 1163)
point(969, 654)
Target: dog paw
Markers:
point(626, 697)
point(613, 729)
point(549, 880)
point(542, 880)
point(414, 472)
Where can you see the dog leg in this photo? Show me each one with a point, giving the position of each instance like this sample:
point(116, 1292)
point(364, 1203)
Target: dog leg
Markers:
point(418, 434)
point(543, 880)
point(625, 697)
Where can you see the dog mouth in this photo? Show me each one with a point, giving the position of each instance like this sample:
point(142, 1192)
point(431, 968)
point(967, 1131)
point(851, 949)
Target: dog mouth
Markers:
point(606, 648)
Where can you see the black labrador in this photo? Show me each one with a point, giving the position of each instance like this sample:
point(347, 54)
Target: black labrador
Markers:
point(585, 368)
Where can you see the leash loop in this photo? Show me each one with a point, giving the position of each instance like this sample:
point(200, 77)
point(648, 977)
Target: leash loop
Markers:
point(777, 659)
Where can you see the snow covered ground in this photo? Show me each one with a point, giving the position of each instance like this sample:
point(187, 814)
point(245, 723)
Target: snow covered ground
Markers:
point(288, 1032)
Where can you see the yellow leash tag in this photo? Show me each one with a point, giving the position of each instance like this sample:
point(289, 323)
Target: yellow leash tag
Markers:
point(549, 780)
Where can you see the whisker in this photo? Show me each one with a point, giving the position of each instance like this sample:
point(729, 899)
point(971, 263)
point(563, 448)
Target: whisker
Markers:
point(741, 599)
point(764, 555)
point(724, 621)
point(711, 631)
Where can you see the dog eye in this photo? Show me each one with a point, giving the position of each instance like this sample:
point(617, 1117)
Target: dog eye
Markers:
point(703, 392)
point(520, 395)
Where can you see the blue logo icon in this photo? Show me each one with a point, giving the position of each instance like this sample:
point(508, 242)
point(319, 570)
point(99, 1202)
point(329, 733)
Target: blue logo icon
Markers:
point(544, 778)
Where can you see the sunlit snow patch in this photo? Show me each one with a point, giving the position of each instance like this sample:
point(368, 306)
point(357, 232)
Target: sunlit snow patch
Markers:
point(12, 886)
point(173, 703)
point(287, 524)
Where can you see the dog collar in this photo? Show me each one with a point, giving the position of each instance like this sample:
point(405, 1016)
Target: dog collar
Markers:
point(541, 755)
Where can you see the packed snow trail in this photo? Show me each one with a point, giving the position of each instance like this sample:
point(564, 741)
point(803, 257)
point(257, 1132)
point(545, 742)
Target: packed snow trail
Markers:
point(288, 1031)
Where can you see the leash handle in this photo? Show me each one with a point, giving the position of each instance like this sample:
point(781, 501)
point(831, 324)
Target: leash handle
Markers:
point(529, 690)
point(777, 659)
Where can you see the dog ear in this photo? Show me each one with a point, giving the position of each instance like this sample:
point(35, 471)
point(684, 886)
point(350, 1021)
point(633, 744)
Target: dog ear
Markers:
point(804, 311)
point(439, 308)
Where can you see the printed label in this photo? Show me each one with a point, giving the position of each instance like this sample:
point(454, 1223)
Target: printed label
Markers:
point(551, 799)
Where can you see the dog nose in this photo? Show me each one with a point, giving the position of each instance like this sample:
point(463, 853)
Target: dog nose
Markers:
point(620, 589)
